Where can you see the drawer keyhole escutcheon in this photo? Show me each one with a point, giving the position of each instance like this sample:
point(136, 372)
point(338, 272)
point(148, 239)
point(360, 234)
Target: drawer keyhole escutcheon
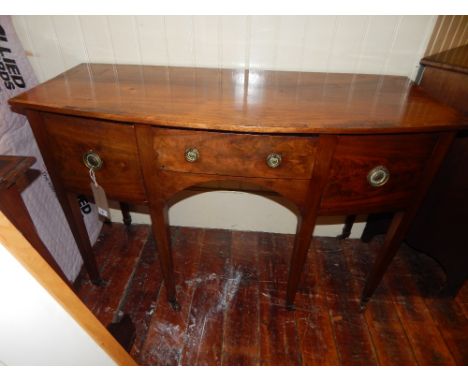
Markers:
point(273, 160)
point(192, 155)
point(92, 160)
point(378, 176)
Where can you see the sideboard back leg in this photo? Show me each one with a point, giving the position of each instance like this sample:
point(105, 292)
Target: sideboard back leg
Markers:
point(348, 226)
point(125, 208)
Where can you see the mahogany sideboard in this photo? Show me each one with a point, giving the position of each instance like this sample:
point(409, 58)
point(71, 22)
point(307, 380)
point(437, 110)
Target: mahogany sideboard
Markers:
point(332, 144)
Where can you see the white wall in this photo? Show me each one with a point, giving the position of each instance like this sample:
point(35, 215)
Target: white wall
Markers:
point(356, 44)
point(34, 328)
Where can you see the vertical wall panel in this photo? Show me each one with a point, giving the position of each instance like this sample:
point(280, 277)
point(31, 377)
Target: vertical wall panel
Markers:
point(449, 32)
point(206, 41)
point(124, 39)
point(97, 39)
point(234, 41)
point(179, 34)
point(377, 45)
point(347, 44)
point(263, 41)
point(290, 43)
point(45, 45)
point(318, 42)
point(365, 44)
point(70, 40)
point(22, 31)
point(152, 39)
point(408, 49)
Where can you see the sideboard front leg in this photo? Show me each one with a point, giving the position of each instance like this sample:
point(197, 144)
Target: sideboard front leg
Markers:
point(305, 228)
point(160, 227)
point(309, 212)
point(68, 201)
point(401, 220)
point(393, 238)
point(158, 209)
point(78, 229)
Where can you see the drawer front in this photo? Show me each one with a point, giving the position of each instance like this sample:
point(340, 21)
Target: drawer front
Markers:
point(70, 137)
point(361, 160)
point(243, 155)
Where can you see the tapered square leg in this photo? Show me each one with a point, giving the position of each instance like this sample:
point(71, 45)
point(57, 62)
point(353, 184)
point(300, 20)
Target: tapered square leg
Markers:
point(160, 227)
point(298, 259)
point(78, 229)
point(309, 212)
point(393, 238)
point(125, 208)
point(401, 220)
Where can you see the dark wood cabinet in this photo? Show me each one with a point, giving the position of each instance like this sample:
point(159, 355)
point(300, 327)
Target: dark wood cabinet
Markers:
point(441, 225)
point(16, 175)
point(329, 143)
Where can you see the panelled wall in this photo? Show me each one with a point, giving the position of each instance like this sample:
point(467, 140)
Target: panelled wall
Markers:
point(449, 32)
point(355, 44)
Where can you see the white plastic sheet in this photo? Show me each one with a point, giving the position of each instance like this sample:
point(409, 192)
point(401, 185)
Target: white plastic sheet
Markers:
point(16, 138)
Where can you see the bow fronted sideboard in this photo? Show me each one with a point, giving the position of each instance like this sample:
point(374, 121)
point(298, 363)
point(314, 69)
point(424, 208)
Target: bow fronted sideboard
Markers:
point(332, 144)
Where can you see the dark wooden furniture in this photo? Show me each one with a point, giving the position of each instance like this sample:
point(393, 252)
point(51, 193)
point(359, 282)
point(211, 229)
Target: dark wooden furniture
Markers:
point(16, 175)
point(329, 143)
point(441, 224)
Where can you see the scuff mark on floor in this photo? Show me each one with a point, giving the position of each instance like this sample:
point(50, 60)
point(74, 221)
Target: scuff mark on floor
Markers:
point(166, 328)
point(201, 279)
point(230, 288)
point(169, 350)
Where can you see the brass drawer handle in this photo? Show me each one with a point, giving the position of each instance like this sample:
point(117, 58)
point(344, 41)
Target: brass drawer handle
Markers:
point(192, 155)
point(92, 160)
point(378, 176)
point(273, 160)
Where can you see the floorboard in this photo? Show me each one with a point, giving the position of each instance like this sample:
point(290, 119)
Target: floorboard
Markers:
point(231, 287)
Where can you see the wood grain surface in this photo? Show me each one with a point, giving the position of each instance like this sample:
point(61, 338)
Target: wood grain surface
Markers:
point(348, 188)
point(115, 143)
point(233, 301)
point(242, 101)
point(235, 154)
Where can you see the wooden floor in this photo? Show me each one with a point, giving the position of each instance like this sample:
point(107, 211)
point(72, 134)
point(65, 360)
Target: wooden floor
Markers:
point(231, 286)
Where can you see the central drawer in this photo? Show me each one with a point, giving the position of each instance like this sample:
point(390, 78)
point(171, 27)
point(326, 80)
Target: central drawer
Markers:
point(246, 155)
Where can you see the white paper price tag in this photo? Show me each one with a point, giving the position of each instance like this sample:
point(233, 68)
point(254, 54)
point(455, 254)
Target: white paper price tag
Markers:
point(100, 197)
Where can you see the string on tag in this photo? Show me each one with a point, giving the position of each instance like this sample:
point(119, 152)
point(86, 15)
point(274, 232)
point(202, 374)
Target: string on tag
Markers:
point(92, 175)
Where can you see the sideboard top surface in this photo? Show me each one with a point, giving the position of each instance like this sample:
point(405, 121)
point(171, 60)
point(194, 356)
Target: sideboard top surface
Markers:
point(242, 100)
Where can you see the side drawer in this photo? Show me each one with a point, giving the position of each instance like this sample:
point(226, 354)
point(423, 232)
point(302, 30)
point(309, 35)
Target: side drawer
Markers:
point(349, 188)
point(115, 143)
point(232, 154)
